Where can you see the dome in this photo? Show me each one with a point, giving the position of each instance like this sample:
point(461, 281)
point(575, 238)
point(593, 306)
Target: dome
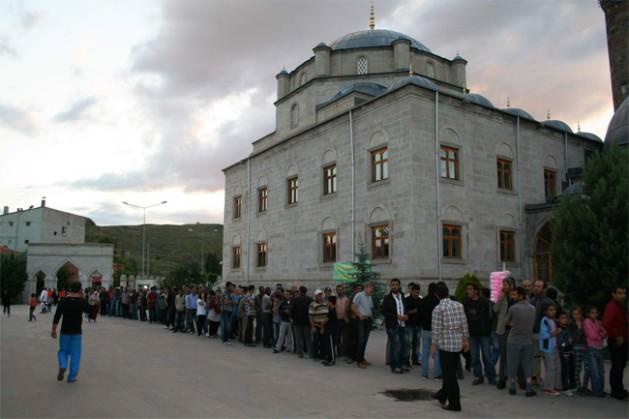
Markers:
point(590, 136)
point(519, 112)
point(478, 99)
point(374, 38)
point(618, 130)
point(560, 125)
point(368, 88)
point(416, 80)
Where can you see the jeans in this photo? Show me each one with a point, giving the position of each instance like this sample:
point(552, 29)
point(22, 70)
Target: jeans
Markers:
point(190, 316)
point(226, 325)
point(567, 370)
point(133, 311)
point(248, 337)
point(113, 307)
point(363, 327)
point(276, 331)
point(318, 343)
point(201, 324)
point(152, 317)
point(267, 329)
point(597, 371)
point(179, 322)
point(302, 334)
point(285, 335)
point(494, 349)
point(482, 344)
point(70, 346)
point(426, 342)
point(397, 347)
point(618, 354)
point(413, 344)
point(581, 361)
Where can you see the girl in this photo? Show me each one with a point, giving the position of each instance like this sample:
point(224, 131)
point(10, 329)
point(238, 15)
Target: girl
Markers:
point(548, 332)
point(595, 334)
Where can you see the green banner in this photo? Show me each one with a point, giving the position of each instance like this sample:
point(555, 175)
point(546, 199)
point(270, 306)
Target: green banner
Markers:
point(343, 272)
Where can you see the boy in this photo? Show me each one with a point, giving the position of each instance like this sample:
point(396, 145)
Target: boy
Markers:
point(566, 355)
point(548, 332)
point(579, 347)
point(31, 309)
point(71, 310)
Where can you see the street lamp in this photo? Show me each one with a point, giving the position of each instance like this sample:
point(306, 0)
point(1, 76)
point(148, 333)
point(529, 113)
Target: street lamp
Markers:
point(144, 229)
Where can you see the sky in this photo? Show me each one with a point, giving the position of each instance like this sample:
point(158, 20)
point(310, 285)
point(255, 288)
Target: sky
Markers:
point(146, 101)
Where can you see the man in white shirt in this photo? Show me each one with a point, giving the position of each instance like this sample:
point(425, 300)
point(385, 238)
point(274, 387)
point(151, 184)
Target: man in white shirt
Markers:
point(395, 318)
point(43, 299)
point(362, 304)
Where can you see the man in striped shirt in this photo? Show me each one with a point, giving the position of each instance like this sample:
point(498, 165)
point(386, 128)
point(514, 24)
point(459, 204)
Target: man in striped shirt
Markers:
point(318, 313)
point(449, 335)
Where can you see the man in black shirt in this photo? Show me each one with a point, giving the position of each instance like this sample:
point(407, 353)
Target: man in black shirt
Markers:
point(71, 309)
point(413, 328)
point(479, 316)
point(301, 322)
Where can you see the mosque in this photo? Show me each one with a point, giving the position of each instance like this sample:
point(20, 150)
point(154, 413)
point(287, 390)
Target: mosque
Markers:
point(380, 145)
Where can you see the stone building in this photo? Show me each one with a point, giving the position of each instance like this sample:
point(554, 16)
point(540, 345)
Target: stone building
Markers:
point(378, 141)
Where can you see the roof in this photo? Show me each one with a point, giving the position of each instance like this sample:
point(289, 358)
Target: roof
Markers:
point(374, 38)
point(519, 112)
point(618, 130)
point(415, 80)
point(560, 125)
point(42, 208)
point(478, 99)
point(368, 88)
point(590, 136)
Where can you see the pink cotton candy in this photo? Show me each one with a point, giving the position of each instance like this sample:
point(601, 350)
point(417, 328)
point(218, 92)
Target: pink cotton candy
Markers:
point(495, 284)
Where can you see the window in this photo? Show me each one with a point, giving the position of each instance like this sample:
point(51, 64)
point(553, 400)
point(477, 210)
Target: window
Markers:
point(449, 162)
point(293, 190)
point(25, 241)
point(11, 223)
point(261, 254)
point(263, 197)
point(303, 79)
point(329, 247)
point(380, 241)
point(294, 116)
point(236, 257)
point(28, 224)
point(451, 241)
point(505, 174)
point(329, 179)
point(362, 65)
point(237, 206)
point(507, 246)
point(380, 164)
point(550, 179)
point(64, 231)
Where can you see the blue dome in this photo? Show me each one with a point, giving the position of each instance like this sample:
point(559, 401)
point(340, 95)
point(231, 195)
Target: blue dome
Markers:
point(519, 112)
point(478, 99)
point(415, 80)
point(368, 88)
point(374, 38)
point(590, 136)
point(560, 125)
point(618, 129)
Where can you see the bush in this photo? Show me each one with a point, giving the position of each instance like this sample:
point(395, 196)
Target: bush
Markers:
point(461, 287)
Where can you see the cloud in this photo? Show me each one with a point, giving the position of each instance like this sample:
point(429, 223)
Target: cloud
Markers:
point(6, 48)
point(30, 19)
point(20, 120)
point(76, 111)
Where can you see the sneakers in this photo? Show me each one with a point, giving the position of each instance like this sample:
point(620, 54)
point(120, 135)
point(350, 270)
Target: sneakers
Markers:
point(61, 373)
point(552, 392)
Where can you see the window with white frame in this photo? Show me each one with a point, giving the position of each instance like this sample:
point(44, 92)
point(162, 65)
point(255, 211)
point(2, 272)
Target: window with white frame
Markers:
point(362, 65)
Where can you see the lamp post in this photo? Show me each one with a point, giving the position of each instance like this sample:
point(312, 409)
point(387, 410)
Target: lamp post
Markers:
point(144, 228)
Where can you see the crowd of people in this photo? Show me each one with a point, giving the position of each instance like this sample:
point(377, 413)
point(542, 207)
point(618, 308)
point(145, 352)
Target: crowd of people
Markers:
point(506, 343)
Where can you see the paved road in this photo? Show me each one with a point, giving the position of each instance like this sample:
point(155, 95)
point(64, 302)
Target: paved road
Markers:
point(132, 369)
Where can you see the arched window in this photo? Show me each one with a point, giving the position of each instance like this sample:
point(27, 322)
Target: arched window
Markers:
point(543, 258)
point(294, 116)
point(362, 65)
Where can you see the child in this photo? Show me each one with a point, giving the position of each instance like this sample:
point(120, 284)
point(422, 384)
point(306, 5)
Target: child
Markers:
point(548, 332)
point(595, 334)
point(566, 355)
point(31, 309)
point(579, 346)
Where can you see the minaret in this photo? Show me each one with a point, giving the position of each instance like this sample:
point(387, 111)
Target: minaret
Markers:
point(372, 17)
point(617, 24)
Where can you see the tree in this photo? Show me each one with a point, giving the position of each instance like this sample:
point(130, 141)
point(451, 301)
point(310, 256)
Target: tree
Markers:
point(213, 263)
point(12, 273)
point(63, 278)
point(187, 273)
point(362, 274)
point(461, 287)
point(590, 232)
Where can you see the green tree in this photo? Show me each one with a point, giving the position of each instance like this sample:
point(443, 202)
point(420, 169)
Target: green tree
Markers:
point(12, 273)
point(213, 263)
point(590, 231)
point(461, 287)
point(187, 273)
point(63, 278)
point(362, 274)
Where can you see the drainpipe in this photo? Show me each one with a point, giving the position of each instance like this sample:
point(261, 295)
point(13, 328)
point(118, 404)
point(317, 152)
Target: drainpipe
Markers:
point(249, 220)
point(520, 212)
point(437, 185)
point(565, 155)
point(351, 142)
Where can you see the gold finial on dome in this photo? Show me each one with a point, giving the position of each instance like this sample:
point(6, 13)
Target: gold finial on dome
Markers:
point(508, 102)
point(578, 126)
point(372, 17)
point(547, 114)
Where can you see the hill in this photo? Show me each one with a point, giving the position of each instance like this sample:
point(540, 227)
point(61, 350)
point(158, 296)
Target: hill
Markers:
point(170, 245)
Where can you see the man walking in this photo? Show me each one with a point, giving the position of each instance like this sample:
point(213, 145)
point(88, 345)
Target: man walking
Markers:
point(362, 306)
point(479, 314)
point(6, 303)
point(615, 323)
point(71, 310)
point(395, 323)
point(449, 336)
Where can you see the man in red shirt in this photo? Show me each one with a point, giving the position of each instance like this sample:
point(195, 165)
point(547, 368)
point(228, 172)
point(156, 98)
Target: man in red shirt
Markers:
point(615, 322)
point(152, 299)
